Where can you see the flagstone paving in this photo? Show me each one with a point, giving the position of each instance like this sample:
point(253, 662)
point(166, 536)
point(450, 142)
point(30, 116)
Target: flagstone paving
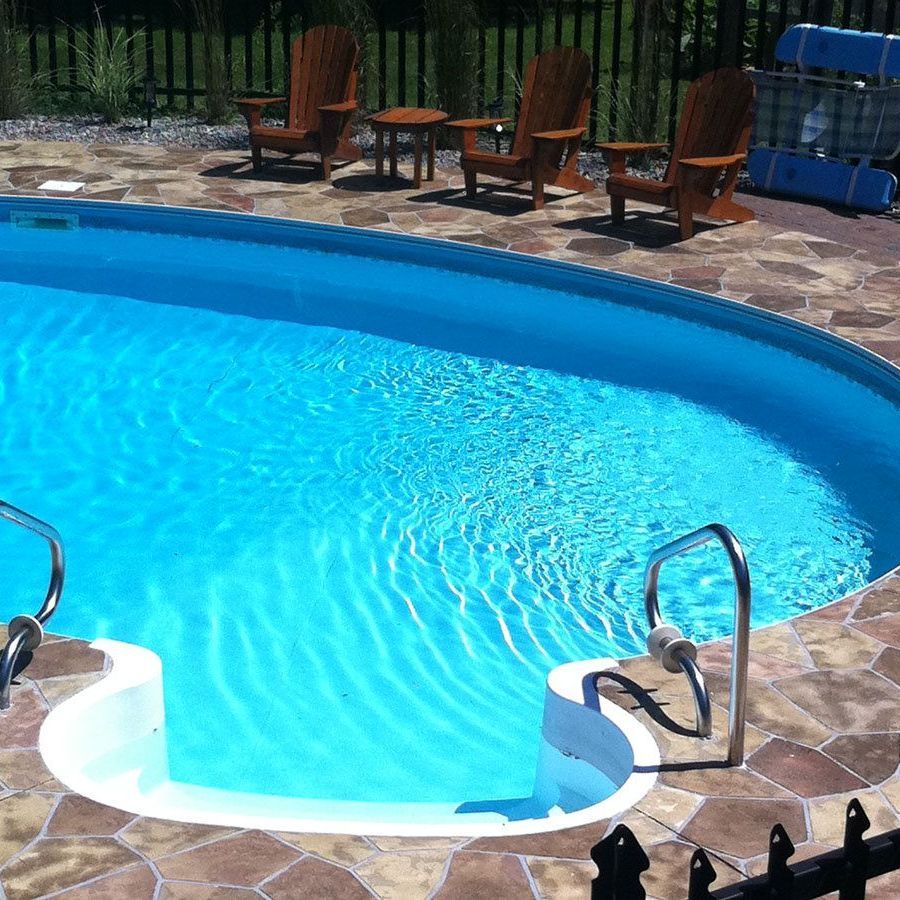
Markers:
point(824, 695)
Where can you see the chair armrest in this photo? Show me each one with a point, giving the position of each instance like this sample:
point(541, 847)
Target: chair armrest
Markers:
point(712, 162)
point(259, 102)
point(629, 147)
point(251, 107)
point(616, 151)
point(470, 124)
point(346, 106)
point(566, 134)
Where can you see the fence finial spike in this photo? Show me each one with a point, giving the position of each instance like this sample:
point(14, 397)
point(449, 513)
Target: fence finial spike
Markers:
point(620, 860)
point(781, 849)
point(702, 876)
point(856, 823)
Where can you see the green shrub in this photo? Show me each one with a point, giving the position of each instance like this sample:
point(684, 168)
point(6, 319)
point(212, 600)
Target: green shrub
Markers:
point(109, 74)
point(14, 83)
point(453, 25)
point(210, 18)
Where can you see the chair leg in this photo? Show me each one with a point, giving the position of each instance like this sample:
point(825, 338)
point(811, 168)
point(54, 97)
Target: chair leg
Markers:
point(617, 210)
point(685, 220)
point(537, 191)
point(326, 168)
point(471, 183)
point(256, 157)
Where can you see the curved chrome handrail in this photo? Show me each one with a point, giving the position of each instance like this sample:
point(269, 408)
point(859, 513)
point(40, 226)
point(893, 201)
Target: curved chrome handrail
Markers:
point(26, 632)
point(737, 709)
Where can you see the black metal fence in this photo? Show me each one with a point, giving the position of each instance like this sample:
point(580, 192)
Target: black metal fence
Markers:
point(644, 52)
point(621, 861)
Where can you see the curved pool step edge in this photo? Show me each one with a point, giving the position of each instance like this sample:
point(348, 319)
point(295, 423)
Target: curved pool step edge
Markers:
point(586, 728)
point(108, 743)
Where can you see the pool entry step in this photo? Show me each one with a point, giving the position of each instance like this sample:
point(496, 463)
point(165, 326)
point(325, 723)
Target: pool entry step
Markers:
point(27, 632)
point(675, 653)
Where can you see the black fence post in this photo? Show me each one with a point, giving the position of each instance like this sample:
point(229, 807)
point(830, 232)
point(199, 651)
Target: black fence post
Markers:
point(702, 876)
point(421, 72)
point(781, 849)
point(597, 40)
point(382, 60)
point(856, 853)
point(268, 74)
point(620, 860)
point(170, 55)
point(51, 44)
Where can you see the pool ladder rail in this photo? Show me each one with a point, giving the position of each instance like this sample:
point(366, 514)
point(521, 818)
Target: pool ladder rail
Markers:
point(675, 653)
point(27, 632)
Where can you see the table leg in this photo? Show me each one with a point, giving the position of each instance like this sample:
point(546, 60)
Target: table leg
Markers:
point(393, 153)
point(379, 152)
point(432, 144)
point(417, 168)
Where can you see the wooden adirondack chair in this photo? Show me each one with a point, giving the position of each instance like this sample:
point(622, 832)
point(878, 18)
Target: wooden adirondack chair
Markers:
point(556, 97)
point(710, 146)
point(322, 101)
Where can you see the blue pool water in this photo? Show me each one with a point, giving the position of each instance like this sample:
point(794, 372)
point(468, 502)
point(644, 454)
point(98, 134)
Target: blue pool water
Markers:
point(360, 506)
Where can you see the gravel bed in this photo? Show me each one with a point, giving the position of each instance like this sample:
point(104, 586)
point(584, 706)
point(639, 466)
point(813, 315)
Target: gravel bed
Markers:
point(166, 130)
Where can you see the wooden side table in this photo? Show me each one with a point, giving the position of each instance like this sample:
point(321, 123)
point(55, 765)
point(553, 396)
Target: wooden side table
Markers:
point(410, 120)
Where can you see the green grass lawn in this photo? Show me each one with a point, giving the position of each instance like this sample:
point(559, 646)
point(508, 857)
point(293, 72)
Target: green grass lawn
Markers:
point(57, 100)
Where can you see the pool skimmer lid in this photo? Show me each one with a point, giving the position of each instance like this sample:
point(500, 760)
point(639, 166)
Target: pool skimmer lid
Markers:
point(61, 187)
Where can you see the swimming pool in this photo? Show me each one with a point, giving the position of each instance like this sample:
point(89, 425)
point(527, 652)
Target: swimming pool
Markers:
point(362, 493)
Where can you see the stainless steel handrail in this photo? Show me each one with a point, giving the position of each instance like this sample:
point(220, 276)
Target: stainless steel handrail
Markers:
point(26, 632)
point(737, 710)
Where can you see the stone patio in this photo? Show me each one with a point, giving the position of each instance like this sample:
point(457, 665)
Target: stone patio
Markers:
point(824, 700)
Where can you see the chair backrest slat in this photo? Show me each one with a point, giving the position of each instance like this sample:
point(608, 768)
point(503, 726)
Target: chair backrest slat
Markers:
point(716, 121)
point(323, 71)
point(556, 94)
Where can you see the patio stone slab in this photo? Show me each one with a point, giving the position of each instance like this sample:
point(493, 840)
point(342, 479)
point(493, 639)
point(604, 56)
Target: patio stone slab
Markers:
point(886, 628)
point(55, 690)
point(829, 249)
point(22, 817)
point(665, 877)
point(598, 246)
point(183, 890)
point(804, 771)
point(245, 859)
point(881, 600)
point(888, 664)
point(849, 700)
point(135, 883)
point(832, 646)
point(562, 879)
point(345, 849)
point(20, 731)
point(892, 791)
point(158, 837)
point(741, 827)
point(22, 769)
point(484, 875)
point(873, 757)
point(827, 816)
point(725, 782)
point(670, 807)
point(315, 879)
point(569, 843)
point(782, 301)
point(54, 864)
point(416, 843)
point(79, 816)
point(407, 875)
